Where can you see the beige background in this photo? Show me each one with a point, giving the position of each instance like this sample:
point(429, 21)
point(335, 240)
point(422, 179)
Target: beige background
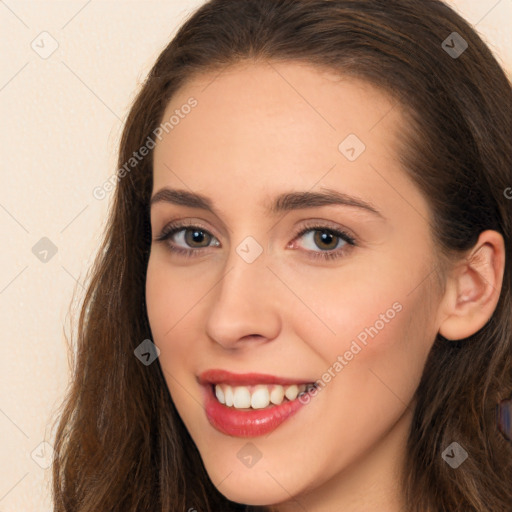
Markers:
point(61, 121)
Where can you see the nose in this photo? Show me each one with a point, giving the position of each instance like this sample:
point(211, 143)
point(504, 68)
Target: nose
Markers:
point(245, 304)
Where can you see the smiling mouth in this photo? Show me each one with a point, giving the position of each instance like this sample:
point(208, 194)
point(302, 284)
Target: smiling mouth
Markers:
point(259, 396)
point(251, 405)
point(241, 419)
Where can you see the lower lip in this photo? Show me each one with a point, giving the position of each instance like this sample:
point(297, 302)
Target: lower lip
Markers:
point(248, 423)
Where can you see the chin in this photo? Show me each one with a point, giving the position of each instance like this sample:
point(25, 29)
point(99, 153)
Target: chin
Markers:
point(248, 487)
point(255, 496)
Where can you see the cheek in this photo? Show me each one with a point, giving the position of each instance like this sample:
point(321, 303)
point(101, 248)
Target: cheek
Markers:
point(377, 304)
point(373, 373)
point(366, 388)
point(336, 314)
point(373, 337)
point(172, 296)
point(172, 301)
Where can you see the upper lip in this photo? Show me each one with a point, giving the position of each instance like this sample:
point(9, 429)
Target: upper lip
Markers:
point(217, 376)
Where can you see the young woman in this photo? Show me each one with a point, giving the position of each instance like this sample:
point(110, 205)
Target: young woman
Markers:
point(303, 298)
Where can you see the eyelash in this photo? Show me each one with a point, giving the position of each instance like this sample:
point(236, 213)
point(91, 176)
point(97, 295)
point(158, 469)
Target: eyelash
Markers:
point(175, 227)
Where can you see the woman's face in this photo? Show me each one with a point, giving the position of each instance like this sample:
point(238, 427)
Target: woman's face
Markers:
point(266, 296)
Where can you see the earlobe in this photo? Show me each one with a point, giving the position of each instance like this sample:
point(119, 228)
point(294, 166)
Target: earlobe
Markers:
point(473, 288)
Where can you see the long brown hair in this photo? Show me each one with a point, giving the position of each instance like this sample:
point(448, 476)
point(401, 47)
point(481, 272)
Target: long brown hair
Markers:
point(120, 444)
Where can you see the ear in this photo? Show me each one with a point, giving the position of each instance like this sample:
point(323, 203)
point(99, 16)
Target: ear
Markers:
point(473, 288)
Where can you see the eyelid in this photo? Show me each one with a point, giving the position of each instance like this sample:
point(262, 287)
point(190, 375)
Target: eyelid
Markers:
point(177, 225)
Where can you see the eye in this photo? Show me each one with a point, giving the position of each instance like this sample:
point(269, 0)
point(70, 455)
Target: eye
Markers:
point(190, 236)
point(333, 243)
point(188, 239)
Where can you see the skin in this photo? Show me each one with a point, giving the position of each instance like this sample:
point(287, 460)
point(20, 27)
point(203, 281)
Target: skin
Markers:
point(258, 130)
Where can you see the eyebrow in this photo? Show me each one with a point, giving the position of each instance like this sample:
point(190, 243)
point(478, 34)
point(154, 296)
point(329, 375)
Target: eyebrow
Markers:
point(283, 203)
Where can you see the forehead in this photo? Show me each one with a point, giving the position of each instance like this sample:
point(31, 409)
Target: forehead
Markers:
point(287, 104)
point(278, 126)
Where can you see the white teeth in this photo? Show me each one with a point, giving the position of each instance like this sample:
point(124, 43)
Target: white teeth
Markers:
point(257, 397)
point(291, 392)
point(220, 395)
point(260, 397)
point(277, 395)
point(228, 394)
point(241, 397)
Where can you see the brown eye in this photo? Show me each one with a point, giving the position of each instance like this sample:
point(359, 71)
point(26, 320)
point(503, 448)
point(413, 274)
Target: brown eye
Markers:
point(196, 236)
point(325, 238)
point(186, 240)
point(325, 243)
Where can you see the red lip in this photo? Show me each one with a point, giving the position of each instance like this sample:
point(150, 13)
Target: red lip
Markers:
point(245, 379)
point(245, 422)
